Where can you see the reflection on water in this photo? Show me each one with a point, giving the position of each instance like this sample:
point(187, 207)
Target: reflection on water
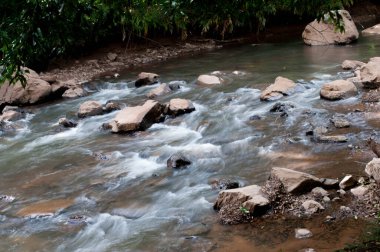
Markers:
point(130, 201)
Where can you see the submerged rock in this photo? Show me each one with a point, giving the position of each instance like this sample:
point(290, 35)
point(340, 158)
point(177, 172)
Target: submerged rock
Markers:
point(251, 198)
point(111, 106)
point(144, 79)
point(44, 208)
point(281, 87)
point(373, 169)
point(340, 122)
point(224, 184)
point(325, 33)
point(209, 80)
point(137, 118)
point(295, 182)
point(178, 161)
point(67, 123)
point(90, 108)
point(282, 107)
point(338, 89)
point(11, 115)
point(332, 139)
point(180, 106)
point(159, 91)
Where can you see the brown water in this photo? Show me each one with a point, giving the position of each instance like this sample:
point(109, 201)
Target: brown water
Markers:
point(132, 202)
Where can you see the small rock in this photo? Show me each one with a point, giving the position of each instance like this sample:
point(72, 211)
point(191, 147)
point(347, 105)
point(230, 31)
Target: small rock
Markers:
point(345, 209)
point(255, 118)
point(67, 123)
point(329, 218)
point(332, 139)
point(208, 80)
point(326, 199)
point(112, 56)
point(281, 86)
point(352, 64)
point(90, 108)
point(10, 115)
point(74, 93)
point(339, 89)
point(329, 183)
point(178, 161)
point(340, 122)
point(312, 206)
point(360, 190)
point(283, 108)
point(372, 30)
point(7, 198)
point(111, 106)
point(302, 233)
point(347, 182)
point(224, 184)
point(341, 192)
point(144, 79)
point(373, 169)
point(11, 108)
point(160, 90)
point(336, 199)
point(319, 191)
point(180, 106)
point(307, 250)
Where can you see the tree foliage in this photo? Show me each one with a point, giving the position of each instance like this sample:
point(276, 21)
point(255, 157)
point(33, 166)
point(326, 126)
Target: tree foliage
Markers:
point(32, 32)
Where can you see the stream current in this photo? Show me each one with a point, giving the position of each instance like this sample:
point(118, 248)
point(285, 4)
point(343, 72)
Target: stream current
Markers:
point(128, 200)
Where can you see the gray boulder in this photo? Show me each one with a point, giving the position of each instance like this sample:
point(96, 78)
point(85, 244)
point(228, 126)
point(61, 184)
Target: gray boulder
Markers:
point(90, 108)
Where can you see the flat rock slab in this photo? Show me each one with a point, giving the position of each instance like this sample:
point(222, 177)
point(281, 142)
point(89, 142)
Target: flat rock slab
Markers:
point(281, 86)
point(137, 118)
point(332, 139)
point(295, 182)
point(250, 197)
point(43, 208)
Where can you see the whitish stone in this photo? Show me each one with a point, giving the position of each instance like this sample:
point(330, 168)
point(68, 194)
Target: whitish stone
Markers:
point(359, 191)
point(373, 169)
point(159, 91)
point(338, 89)
point(281, 86)
point(302, 233)
point(295, 181)
point(137, 118)
point(10, 115)
point(372, 30)
point(90, 108)
point(207, 80)
point(180, 106)
point(312, 206)
point(347, 182)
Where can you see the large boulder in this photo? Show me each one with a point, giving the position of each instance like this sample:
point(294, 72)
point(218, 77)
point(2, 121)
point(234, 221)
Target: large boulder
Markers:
point(209, 80)
point(281, 86)
point(137, 118)
point(35, 91)
point(373, 169)
point(160, 90)
point(370, 74)
point(90, 108)
point(180, 106)
point(325, 33)
point(252, 198)
point(372, 30)
point(338, 89)
point(144, 79)
point(295, 182)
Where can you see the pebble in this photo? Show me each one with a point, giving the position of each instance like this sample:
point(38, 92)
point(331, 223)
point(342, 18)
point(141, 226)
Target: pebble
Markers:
point(302, 233)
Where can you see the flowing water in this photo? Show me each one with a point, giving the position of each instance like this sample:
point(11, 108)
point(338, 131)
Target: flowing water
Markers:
point(128, 200)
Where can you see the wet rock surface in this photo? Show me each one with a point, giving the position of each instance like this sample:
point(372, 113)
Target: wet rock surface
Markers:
point(339, 89)
point(178, 161)
point(90, 108)
point(281, 87)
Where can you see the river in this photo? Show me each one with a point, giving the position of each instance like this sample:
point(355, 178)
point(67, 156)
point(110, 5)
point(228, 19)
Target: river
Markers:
point(128, 200)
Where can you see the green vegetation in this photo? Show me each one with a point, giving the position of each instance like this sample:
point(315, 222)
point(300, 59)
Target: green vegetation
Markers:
point(33, 32)
point(370, 242)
